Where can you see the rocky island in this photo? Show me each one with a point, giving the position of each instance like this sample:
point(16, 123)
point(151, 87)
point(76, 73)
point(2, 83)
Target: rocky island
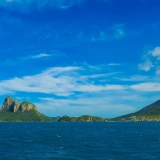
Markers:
point(13, 111)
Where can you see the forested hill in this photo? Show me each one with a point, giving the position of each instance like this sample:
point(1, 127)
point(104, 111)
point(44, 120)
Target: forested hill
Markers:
point(84, 118)
point(148, 113)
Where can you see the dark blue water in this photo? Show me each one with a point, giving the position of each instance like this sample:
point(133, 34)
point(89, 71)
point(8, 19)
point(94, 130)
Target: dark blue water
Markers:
point(80, 141)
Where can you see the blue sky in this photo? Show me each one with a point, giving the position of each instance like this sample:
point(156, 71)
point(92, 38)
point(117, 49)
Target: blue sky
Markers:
point(74, 57)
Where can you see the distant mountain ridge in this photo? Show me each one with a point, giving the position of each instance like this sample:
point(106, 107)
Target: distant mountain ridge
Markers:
point(148, 113)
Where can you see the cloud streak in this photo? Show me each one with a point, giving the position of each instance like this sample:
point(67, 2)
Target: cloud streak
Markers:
point(151, 87)
point(61, 81)
point(26, 5)
point(114, 64)
point(40, 55)
point(83, 105)
point(65, 81)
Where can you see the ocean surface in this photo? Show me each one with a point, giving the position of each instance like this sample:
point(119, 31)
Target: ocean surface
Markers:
point(80, 141)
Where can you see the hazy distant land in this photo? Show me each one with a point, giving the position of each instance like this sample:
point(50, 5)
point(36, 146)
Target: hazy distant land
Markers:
point(13, 111)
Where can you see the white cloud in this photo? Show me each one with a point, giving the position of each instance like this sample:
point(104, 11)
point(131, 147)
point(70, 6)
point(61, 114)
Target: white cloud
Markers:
point(153, 87)
point(134, 78)
point(114, 64)
point(98, 88)
point(45, 82)
point(41, 55)
point(26, 5)
point(151, 59)
point(158, 72)
point(146, 66)
point(57, 80)
point(156, 52)
point(83, 105)
point(34, 55)
point(105, 103)
point(93, 76)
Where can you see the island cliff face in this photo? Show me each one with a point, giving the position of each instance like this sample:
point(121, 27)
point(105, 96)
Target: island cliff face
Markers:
point(11, 105)
point(12, 111)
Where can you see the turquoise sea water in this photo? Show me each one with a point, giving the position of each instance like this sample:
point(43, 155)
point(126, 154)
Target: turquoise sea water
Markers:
point(80, 141)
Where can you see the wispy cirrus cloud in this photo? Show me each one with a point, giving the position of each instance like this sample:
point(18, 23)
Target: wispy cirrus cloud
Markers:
point(116, 31)
point(83, 105)
point(44, 54)
point(27, 5)
point(135, 78)
point(64, 81)
point(58, 81)
point(41, 55)
point(34, 55)
point(114, 64)
point(97, 33)
point(105, 103)
point(149, 86)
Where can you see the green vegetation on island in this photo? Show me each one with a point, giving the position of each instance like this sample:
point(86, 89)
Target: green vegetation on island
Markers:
point(148, 113)
point(84, 118)
point(13, 111)
point(27, 116)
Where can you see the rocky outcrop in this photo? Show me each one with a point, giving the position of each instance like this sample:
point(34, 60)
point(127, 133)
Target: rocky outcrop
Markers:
point(26, 106)
point(11, 105)
point(13, 111)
